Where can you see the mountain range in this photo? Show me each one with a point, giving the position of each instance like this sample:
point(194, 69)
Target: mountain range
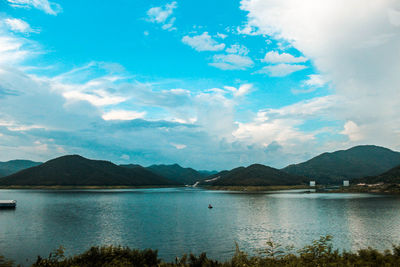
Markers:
point(356, 162)
point(74, 170)
point(253, 175)
point(375, 163)
point(178, 174)
point(392, 176)
point(13, 166)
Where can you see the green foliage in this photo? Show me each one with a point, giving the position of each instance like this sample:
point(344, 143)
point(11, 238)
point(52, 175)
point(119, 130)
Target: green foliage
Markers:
point(356, 162)
point(101, 256)
point(391, 176)
point(255, 175)
point(13, 166)
point(318, 253)
point(74, 170)
point(177, 173)
point(5, 263)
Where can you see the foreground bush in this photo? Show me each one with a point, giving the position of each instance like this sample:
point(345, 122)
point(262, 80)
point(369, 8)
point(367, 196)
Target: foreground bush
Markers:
point(319, 253)
point(5, 263)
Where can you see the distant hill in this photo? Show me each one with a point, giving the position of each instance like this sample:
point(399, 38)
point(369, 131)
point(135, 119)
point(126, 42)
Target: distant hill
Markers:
point(356, 162)
point(392, 176)
point(207, 173)
point(177, 173)
point(13, 166)
point(74, 170)
point(254, 175)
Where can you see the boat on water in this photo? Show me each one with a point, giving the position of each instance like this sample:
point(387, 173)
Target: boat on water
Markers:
point(8, 204)
point(209, 206)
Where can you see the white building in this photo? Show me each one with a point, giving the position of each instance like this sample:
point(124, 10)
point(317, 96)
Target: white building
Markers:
point(346, 183)
point(312, 183)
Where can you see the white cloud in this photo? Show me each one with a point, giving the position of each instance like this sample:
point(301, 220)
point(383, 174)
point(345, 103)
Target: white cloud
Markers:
point(303, 91)
point(276, 57)
point(13, 49)
point(96, 97)
point(355, 44)
point(265, 131)
point(44, 5)
point(352, 131)
point(70, 107)
point(178, 146)
point(394, 16)
point(18, 25)
point(307, 108)
point(238, 49)
point(281, 70)
point(162, 14)
point(315, 80)
point(125, 157)
point(221, 35)
point(169, 26)
point(232, 62)
point(203, 42)
point(278, 131)
point(244, 89)
point(123, 115)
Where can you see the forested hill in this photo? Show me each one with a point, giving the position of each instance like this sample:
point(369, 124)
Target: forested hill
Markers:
point(13, 166)
point(356, 162)
point(254, 175)
point(75, 170)
point(391, 177)
point(177, 173)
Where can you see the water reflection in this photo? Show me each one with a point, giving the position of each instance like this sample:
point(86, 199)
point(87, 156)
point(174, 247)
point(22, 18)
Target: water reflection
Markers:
point(177, 221)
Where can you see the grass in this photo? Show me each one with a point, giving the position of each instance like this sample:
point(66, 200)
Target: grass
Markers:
point(318, 253)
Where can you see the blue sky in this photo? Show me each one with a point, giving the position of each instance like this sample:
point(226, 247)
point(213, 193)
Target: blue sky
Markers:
point(207, 84)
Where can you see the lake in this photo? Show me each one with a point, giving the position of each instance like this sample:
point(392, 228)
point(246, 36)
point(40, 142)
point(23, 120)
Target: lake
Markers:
point(177, 220)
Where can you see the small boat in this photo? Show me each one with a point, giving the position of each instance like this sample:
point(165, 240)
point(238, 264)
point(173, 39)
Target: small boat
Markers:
point(209, 206)
point(8, 204)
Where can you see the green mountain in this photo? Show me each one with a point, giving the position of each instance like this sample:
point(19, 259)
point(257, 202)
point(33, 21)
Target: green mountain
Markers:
point(13, 166)
point(254, 175)
point(177, 173)
point(392, 176)
point(356, 162)
point(207, 173)
point(74, 170)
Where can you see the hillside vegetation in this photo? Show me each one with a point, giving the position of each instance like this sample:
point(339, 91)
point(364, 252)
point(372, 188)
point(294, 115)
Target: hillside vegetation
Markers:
point(254, 175)
point(356, 162)
point(177, 173)
point(319, 253)
point(74, 170)
point(13, 166)
point(392, 176)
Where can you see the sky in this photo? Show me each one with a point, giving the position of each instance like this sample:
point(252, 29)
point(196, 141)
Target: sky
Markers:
point(205, 84)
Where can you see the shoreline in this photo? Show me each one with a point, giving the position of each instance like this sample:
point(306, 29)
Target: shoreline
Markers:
point(393, 189)
point(72, 187)
point(256, 188)
point(390, 189)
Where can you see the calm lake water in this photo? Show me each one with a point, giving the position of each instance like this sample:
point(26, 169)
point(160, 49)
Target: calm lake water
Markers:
point(177, 221)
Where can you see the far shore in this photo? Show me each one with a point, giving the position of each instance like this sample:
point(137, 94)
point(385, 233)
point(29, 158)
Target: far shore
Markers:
point(372, 188)
point(66, 187)
point(368, 188)
point(375, 188)
point(257, 188)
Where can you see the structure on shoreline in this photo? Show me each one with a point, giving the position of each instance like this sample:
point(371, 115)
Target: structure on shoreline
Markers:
point(8, 204)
